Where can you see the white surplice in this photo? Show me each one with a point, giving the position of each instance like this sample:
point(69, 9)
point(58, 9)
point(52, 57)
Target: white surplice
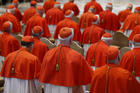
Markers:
point(52, 29)
point(14, 85)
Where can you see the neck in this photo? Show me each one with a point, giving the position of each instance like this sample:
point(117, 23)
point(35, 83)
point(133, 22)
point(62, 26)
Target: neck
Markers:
point(71, 1)
point(129, 9)
point(6, 32)
point(106, 42)
point(40, 14)
point(136, 46)
point(65, 43)
point(68, 18)
point(28, 49)
point(35, 37)
point(108, 9)
point(94, 23)
point(115, 61)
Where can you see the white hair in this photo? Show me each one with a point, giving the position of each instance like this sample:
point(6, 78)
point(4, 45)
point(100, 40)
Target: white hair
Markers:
point(57, 5)
point(136, 44)
point(97, 21)
point(11, 25)
point(115, 61)
point(70, 15)
point(66, 40)
point(106, 38)
point(109, 6)
point(11, 10)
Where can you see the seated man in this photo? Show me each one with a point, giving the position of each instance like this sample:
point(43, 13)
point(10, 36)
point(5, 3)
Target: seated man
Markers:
point(64, 70)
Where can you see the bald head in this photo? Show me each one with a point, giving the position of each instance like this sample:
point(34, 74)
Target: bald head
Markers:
point(113, 55)
point(130, 6)
point(66, 35)
point(71, 0)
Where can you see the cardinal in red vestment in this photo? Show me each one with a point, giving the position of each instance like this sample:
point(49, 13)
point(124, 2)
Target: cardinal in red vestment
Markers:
point(63, 68)
point(93, 3)
point(111, 78)
point(37, 20)
point(17, 13)
point(96, 54)
point(109, 20)
point(28, 13)
point(131, 60)
point(71, 6)
point(21, 70)
point(39, 48)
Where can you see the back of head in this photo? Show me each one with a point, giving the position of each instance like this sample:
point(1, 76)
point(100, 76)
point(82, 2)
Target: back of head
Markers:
point(109, 6)
point(15, 3)
point(130, 6)
point(92, 9)
point(71, 0)
point(37, 31)
point(107, 37)
point(7, 26)
point(96, 19)
point(57, 5)
point(27, 41)
point(33, 3)
point(40, 10)
point(69, 14)
point(137, 10)
point(113, 55)
point(11, 9)
point(136, 40)
point(65, 36)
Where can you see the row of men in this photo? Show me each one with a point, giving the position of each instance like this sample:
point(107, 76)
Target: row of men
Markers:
point(64, 70)
point(85, 18)
point(56, 19)
point(91, 34)
point(95, 53)
point(96, 8)
point(4, 2)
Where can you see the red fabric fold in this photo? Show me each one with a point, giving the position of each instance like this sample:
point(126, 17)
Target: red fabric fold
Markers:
point(92, 34)
point(8, 44)
point(71, 24)
point(73, 71)
point(54, 15)
point(27, 66)
point(37, 20)
point(119, 80)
